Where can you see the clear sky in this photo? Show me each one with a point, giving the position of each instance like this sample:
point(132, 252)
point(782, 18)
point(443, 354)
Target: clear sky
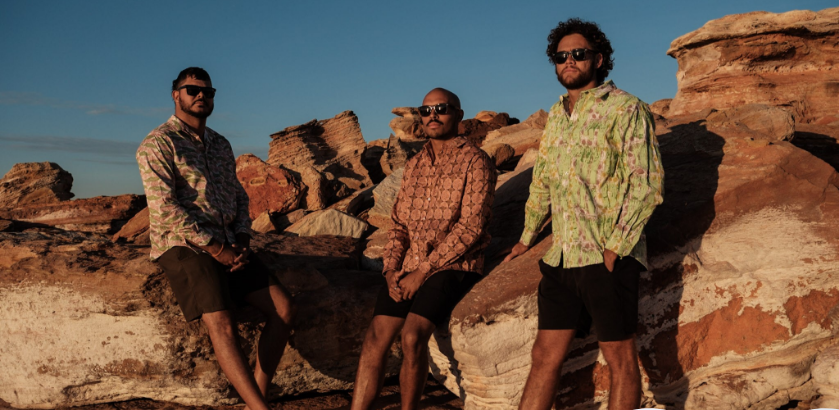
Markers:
point(82, 82)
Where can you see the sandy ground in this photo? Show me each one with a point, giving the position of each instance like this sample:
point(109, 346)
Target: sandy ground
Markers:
point(436, 397)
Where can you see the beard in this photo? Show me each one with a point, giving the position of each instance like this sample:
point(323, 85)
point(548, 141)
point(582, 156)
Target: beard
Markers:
point(202, 113)
point(581, 79)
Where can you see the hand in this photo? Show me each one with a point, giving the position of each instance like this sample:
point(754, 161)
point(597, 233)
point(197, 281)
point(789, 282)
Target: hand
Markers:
point(517, 250)
point(411, 283)
point(227, 257)
point(242, 258)
point(393, 289)
point(609, 259)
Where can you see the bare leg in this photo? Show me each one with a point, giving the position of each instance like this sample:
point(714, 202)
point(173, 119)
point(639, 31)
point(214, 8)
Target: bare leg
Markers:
point(371, 365)
point(414, 372)
point(222, 329)
point(548, 353)
point(625, 385)
point(275, 303)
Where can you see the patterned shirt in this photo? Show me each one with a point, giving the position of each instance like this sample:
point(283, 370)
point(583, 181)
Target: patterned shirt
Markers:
point(441, 212)
point(191, 188)
point(599, 174)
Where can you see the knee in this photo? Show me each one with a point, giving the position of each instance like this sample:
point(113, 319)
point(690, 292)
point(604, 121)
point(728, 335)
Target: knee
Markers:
point(413, 344)
point(219, 323)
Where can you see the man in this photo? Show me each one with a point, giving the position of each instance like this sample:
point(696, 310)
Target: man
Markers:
point(200, 236)
point(598, 173)
point(435, 250)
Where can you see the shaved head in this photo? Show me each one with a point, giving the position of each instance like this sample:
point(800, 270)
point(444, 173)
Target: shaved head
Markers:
point(452, 97)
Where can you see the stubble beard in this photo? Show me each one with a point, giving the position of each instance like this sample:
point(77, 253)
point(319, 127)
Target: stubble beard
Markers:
point(576, 82)
point(198, 114)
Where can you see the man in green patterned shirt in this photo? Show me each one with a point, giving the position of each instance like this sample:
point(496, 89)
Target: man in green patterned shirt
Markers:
point(599, 175)
point(200, 236)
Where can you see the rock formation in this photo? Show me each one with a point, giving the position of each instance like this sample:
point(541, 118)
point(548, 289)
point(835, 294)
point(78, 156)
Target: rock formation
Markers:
point(35, 183)
point(136, 230)
point(786, 59)
point(86, 320)
point(476, 129)
point(333, 147)
point(270, 188)
point(328, 222)
point(407, 139)
point(521, 136)
point(103, 214)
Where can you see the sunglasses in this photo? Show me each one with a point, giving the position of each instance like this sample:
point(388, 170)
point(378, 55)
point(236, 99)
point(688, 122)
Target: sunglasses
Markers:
point(194, 90)
point(441, 109)
point(578, 54)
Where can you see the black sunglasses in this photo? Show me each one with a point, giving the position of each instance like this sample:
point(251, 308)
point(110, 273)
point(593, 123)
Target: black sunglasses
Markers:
point(442, 109)
point(194, 90)
point(578, 54)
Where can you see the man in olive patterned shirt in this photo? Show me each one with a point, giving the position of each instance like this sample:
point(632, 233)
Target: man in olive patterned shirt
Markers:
point(598, 174)
point(435, 251)
point(200, 236)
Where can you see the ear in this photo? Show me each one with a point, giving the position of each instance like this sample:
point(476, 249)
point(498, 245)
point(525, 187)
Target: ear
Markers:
point(599, 60)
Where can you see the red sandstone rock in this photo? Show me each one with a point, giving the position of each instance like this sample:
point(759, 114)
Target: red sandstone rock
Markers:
point(523, 136)
point(407, 139)
point(35, 183)
point(102, 214)
point(86, 320)
point(476, 130)
point(499, 152)
point(136, 230)
point(333, 147)
point(787, 60)
point(269, 188)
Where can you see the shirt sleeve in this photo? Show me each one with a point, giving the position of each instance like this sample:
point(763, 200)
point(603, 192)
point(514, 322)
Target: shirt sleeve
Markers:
point(537, 207)
point(398, 238)
point(644, 187)
point(155, 158)
point(475, 211)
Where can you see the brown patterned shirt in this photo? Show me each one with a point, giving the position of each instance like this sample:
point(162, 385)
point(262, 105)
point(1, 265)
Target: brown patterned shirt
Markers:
point(442, 210)
point(191, 188)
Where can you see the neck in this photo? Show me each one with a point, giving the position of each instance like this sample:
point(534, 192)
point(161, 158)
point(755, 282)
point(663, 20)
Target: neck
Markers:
point(437, 144)
point(574, 95)
point(197, 124)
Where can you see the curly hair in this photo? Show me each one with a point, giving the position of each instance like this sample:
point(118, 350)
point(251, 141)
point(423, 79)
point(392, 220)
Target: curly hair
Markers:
point(595, 37)
point(195, 72)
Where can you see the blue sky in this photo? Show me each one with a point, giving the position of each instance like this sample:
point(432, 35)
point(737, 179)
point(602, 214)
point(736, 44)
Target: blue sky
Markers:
point(83, 82)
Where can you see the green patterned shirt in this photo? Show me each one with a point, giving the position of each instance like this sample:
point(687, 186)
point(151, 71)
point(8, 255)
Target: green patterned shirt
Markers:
point(599, 174)
point(191, 188)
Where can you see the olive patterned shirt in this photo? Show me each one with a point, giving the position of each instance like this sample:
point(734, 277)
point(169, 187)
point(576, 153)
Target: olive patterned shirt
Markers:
point(442, 210)
point(191, 188)
point(599, 174)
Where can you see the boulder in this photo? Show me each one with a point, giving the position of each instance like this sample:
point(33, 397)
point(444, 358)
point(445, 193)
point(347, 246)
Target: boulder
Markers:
point(356, 204)
point(35, 183)
point(521, 136)
point(819, 140)
point(102, 214)
point(86, 320)
point(407, 139)
point(317, 189)
point(661, 107)
point(263, 223)
point(136, 230)
point(333, 147)
point(329, 222)
point(270, 188)
point(384, 195)
point(736, 311)
point(787, 60)
point(499, 152)
point(753, 121)
point(372, 257)
point(476, 129)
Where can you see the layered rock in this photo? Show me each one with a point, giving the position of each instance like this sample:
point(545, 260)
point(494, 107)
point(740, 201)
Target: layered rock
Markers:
point(523, 136)
point(333, 147)
point(786, 59)
point(476, 129)
point(270, 188)
point(35, 183)
point(86, 320)
point(136, 230)
point(739, 302)
point(103, 214)
point(384, 196)
point(405, 142)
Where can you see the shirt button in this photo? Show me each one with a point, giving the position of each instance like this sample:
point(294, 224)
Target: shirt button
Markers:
point(429, 199)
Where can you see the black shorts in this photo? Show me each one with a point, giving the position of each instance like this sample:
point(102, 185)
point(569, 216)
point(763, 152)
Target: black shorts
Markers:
point(574, 298)
point(202, 285)
point(435, 300)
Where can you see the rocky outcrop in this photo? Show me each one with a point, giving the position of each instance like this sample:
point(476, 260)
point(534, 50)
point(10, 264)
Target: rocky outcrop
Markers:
point(87, 320)
point(328, 222)
point(476, 129)
point(102, 214)
point(786, 60)
point(270, 188)
point(333, 147)
point(136, 230)
point(499, 152)
point(521, 136)
point(35, 183)
point(384, 196)
point(405, 142)
point(738, 305)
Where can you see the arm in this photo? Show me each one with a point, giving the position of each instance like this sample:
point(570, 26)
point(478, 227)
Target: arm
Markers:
point(537, 207)
point(398, 239)
point(641, 161)
point(155, 158)
point(475, 210)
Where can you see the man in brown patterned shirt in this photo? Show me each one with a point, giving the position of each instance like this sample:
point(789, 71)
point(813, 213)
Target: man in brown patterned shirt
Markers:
point(200, 236)
point(435, 250)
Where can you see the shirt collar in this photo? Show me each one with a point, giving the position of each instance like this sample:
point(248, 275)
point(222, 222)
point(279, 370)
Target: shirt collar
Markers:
point(180, 126)
point(598, 92)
